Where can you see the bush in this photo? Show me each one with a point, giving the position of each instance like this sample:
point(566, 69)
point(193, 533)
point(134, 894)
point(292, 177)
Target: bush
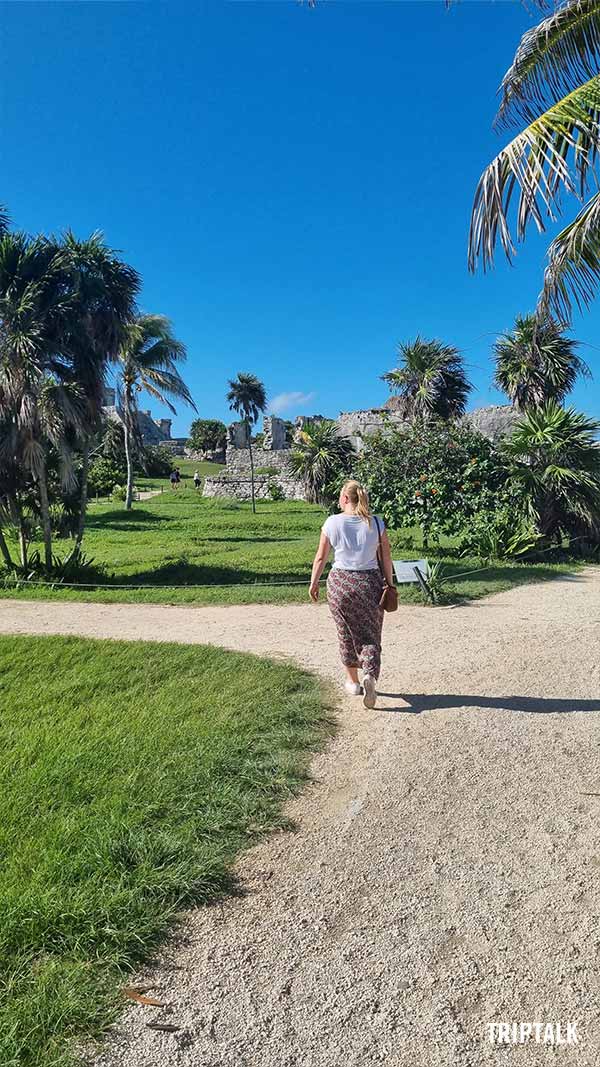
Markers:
point(275, 491)
point(433, 475)
point(503, 535)
point(119, 492)
point(207, 435)
point(158, 461)
point(266, 470)
point(103, 474)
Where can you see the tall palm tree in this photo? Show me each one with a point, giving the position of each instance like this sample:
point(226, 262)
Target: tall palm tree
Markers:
point(320, 457)
point(554, 454)
point(430, 379)
point(148, 356)
point(537, 362)
point(553, 87)
point(40, 405)
point(247, 396)
point(104, 291)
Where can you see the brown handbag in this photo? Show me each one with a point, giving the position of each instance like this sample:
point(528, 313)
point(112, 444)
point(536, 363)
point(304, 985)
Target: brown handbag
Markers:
point(389, 596)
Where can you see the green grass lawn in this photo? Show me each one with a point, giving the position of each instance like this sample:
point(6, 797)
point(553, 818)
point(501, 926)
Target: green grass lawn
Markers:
point(132, 774)
point(186, 467)
point(181, 540)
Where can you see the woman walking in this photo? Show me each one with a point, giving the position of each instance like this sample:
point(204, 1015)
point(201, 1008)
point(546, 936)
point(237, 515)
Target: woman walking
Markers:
point(355, 585)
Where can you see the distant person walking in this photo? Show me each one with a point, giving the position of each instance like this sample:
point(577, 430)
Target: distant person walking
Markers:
point(355, 585)
point(173, 479)
point(197, 480)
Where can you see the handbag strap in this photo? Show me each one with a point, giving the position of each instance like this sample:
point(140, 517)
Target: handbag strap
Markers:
point(379, 563)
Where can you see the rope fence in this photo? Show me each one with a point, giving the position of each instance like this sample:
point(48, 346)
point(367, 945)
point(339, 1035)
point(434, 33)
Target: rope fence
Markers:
point(59, 584)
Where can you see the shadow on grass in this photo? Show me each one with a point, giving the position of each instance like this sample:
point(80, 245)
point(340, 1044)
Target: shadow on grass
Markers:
point(419, 702)
point(181, 573)
point(137, 519)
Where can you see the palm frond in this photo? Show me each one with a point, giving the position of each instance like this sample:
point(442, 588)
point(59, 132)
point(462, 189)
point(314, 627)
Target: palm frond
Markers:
point(552, 58)
point(553, 153)
point(573, 270)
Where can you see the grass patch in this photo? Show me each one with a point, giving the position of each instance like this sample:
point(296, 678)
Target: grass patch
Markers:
point(132, 775)
point(181, 540)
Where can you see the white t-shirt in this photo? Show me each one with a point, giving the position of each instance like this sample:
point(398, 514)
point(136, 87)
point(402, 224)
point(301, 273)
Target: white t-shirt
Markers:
point(355, 544)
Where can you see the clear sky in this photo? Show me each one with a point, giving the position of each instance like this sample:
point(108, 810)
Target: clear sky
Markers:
point(294, 184)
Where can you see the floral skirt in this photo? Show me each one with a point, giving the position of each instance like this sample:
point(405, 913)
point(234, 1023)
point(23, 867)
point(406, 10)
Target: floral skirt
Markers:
point(353, 598)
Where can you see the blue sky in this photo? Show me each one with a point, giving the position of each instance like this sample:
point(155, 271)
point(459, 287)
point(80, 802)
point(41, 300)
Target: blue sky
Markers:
point(294, 184)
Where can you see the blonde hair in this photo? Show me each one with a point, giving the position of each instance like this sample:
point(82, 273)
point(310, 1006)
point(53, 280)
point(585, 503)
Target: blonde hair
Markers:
point(359, 498)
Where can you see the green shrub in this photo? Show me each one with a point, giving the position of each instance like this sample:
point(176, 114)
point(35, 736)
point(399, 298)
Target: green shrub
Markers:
point(158, 461)
point(275, 491)
point(433, 475)
point(103, 474)
point(505, 534)
point(119, 492)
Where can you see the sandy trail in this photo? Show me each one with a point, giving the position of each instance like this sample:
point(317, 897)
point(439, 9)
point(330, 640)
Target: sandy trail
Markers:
point(445, 873)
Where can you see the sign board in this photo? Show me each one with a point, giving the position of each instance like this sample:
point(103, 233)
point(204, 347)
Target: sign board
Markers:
point(404, 569)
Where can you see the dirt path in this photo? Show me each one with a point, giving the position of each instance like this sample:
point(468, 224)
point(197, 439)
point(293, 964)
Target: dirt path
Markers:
point(446, 869)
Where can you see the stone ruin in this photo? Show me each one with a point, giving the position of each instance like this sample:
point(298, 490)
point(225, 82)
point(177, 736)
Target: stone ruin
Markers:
point(271, 460)
point(270, 465)
point(274, 431)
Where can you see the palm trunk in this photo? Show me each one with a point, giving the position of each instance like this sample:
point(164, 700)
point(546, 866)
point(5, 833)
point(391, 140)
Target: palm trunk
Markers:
point(22, 541)
point(4, 550)
point(128, 456)
point(46, 524)
point(16, 517)
point(252, 474)
point(83, 499)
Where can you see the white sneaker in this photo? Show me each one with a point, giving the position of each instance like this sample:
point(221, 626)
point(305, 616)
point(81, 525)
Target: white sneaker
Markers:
point(370, 694)
point(353, 689)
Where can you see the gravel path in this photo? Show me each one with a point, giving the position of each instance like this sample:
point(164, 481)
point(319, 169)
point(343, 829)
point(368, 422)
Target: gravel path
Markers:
point(445, 873)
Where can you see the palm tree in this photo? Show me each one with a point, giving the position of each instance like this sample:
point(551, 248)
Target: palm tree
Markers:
point(430, 379)
point(148, 357)
point(103, 291)
point(554, 455)
point(40, 406)
point(536, 362)
point(320, 458)
point(553, 87)
point(247, 396)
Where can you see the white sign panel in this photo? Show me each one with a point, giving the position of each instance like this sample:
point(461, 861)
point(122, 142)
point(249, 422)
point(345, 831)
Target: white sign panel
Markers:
point(404, 569)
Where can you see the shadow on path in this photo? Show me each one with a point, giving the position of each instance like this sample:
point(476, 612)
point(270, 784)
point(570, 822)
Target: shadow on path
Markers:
point(418, 702)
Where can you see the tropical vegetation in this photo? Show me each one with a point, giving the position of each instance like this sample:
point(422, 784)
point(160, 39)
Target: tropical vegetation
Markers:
point(554, 456)
point(430, 380)
point(551, 95)
point(323, 460)
point(537, 362)
point(68, 313)
point(207, 435)
point(436, 476)
point(148, 358)
point(247, 396)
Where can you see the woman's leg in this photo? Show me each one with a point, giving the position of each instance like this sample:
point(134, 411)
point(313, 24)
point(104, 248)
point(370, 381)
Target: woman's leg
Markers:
point(336, 592)
point(369, 622)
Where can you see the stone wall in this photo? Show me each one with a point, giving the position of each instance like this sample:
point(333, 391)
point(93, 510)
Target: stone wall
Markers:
point(209, 456)
point(494, 422)
point(238, 459)
point(356, 425)
point(239, 488)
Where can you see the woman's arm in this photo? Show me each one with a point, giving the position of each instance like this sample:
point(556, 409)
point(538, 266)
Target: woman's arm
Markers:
point(386, 558)
point(318, 565)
